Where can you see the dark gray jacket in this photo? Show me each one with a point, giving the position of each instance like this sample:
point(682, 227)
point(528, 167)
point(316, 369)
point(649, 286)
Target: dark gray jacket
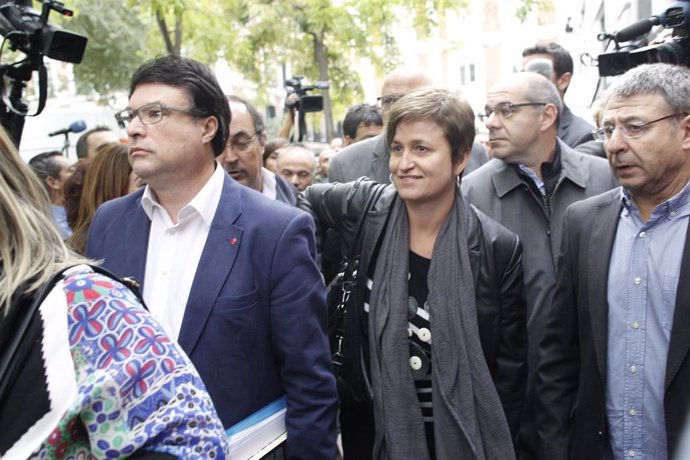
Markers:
point(572, 129)
point(285, 191)
point(499, 191)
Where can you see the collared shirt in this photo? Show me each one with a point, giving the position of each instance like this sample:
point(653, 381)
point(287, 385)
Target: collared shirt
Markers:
point(175, 249)
point(550, 172)
point(643, 278)
point(60, 219)
point(268, 183)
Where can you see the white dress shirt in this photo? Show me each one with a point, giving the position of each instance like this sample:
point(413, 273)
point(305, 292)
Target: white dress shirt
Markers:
point(174, 251)
point(268, 182)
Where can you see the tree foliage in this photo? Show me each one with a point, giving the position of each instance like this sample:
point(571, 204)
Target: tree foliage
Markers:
point(115, 48)
point(527, 6)
point(317, 38)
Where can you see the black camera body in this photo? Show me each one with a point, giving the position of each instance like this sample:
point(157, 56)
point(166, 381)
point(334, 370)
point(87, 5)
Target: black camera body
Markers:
point(676, 50)
point(305, 103)
point(29, 32)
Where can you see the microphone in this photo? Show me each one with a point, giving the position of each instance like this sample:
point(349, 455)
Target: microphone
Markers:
point(636, 29)
point(76, 127)
point(543, 67)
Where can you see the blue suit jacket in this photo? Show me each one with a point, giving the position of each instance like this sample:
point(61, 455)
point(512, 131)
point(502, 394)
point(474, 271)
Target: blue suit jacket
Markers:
point(254, 325)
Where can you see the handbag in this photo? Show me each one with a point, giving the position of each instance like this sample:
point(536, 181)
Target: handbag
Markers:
point(340, 289)
point(338, 295)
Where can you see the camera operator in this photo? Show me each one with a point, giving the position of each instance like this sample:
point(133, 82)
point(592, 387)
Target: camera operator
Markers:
point(298, 100)
point(289, 117)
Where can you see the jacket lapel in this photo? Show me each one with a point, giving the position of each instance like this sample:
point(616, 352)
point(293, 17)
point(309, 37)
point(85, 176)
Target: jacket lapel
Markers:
point(680, 333)
point(605, 224)
point(564, 121)
point(136, 225)
point(504, 178)
point(219, 254)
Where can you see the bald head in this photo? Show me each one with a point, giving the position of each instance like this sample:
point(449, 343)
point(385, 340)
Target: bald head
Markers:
point(297, 164)
point(529, 86)
point(523, 118)
point(399, 83)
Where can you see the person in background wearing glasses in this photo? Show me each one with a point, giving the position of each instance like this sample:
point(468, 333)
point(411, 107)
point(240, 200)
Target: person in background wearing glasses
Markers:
point(243, 155)
point(527, 186)
point(370, 157)
point(228, 273)
point(614, 367)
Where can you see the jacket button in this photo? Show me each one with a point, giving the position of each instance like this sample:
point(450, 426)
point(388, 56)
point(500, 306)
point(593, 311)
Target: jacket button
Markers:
point(600, 434)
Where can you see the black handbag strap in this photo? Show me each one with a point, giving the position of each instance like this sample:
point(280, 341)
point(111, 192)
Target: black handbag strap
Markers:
point(347, 279)
point(13, 356)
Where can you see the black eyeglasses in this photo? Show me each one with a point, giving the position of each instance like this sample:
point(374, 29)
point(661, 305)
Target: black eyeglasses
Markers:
point(386, 101)
point(149, 114)
point(505, 109)
point(629, 130)
point(241, 144)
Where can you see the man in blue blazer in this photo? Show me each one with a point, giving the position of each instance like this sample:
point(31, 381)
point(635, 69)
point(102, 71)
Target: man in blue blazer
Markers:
point(226, 271)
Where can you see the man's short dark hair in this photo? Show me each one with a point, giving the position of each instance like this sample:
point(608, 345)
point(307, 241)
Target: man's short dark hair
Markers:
point(257, 119)
point(45, 166)
point(362, 113)
point(83, 141)
point(197, 79)
point(562, 61)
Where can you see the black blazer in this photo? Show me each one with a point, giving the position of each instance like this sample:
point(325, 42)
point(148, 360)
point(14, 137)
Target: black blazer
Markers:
point(571, 378)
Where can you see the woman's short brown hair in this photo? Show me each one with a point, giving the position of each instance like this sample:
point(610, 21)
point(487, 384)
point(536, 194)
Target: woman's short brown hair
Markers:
point(448, 110)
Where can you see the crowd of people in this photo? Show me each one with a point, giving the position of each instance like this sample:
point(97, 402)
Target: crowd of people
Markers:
point(416, 290)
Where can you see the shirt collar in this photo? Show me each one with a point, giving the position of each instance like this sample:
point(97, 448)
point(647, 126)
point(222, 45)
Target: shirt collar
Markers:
point(204, 203)
point(550, 172)
point(268, 183)
point(674, 206)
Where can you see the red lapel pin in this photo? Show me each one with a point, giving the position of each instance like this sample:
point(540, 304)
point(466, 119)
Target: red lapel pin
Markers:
point(233, 241)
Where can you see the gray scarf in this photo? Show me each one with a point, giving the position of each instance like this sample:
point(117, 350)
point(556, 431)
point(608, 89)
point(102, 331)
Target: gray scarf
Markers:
point(469, 422)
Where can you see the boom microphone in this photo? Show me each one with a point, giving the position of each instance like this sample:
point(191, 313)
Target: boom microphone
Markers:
point(76, 127)
point(636, 29)
point(543, 67)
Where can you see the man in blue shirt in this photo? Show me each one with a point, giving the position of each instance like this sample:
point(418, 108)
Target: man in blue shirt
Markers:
point(613, 370)
point(53, 170)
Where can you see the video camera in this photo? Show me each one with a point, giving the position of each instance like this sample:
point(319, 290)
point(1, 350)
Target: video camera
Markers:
point(29, 32)
point(304, 102)
point(673, 51)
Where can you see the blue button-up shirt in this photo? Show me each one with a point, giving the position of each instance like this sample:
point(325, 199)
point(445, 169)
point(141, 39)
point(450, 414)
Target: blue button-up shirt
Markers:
point(643, 277)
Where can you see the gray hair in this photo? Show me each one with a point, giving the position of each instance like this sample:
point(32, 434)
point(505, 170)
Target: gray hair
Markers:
point(541, 89)
point(671, 82)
